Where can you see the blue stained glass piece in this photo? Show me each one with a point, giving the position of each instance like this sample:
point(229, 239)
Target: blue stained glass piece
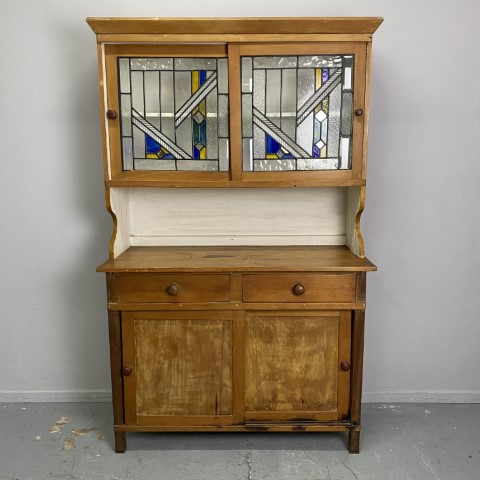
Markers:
point(271, 145)
point(202, 77)
point(324, 75)
point(316, 131)
point(316, 152)
point(169, 156)
point(151, 145)
point(196, 153)
point(203, 132)
point(288, 155)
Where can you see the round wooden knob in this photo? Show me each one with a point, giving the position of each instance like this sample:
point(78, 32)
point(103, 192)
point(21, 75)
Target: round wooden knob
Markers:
point(298, 289)
point(344, 366)
point(112, 114)
point(127, 370)
point(173, 289)
point(359, 112)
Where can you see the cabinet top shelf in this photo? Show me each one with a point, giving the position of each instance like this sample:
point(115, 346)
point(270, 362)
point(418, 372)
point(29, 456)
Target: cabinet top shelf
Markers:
point(286, 25)
point(231, 259)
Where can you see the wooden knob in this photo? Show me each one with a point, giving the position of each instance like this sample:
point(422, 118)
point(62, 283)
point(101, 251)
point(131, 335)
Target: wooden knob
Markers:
point(344, 366)
point(112, 114)
point(359, 112)
point(298, 289)
point(173, 289)
point(127, 370)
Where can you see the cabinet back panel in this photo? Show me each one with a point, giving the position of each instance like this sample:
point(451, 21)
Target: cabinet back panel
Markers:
point(237, 217)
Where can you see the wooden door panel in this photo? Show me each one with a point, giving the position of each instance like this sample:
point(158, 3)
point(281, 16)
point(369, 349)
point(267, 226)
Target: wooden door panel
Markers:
point(182, 367)
point(292, 365)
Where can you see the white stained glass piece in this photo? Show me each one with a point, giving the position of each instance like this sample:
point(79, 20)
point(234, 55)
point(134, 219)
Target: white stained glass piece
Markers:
point(347, 78)
point(160, 164)
point(195, 64)
point(274, 62)
point(317, 164)
point(273, 96)
point(126, 110)
point(223, 154)
point(321, 116)
point(247, 121)
point(151, 63)
point(274, 165)
point(344, 153)
point(152, 98)
point(222, 75)
point(127, 153)
point(198, 165)
point(320, 61)
point(247, 155)
point(246, 74)
point(320, 144)
point(124, 74)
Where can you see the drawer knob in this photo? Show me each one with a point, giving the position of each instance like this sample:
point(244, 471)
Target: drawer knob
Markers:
point(359, 112)
point(173, 289)
point(344, 366)
point(298, 289)
point(127, 370)
point(112, 114)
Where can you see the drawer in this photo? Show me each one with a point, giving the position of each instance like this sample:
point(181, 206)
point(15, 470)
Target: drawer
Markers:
point(178, 288)
point(299, 287)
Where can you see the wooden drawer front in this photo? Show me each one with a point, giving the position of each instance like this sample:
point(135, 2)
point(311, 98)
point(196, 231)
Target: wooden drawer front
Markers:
point(299, 287)
point(152, 287)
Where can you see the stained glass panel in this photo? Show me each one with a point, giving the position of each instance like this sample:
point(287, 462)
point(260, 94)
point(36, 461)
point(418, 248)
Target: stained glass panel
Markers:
point(174, 113)
point(301, 111)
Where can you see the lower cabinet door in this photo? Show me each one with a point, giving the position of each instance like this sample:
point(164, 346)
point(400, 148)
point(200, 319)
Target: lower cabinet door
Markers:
point(297, 366)
point(178, 368)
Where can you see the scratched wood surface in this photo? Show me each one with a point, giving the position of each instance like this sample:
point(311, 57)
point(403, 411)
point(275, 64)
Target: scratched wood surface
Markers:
point(183, 367)
point(291, 363)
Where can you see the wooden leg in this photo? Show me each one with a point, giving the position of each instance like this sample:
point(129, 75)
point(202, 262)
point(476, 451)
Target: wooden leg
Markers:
point(354, 442)
point(120, 442)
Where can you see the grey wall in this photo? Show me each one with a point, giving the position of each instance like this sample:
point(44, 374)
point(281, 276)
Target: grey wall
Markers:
point(421, 224)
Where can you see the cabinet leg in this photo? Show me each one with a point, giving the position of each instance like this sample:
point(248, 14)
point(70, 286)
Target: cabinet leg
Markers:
point(354, 442)
point(120, 442)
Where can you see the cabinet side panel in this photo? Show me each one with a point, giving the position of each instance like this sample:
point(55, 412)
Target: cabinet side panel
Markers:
point(237, 217)
point(354, 209)
point(291, 363)
point(120, 211)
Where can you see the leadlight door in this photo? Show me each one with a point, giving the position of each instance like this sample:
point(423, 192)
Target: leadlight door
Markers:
point(173, 112)
point(301, 109)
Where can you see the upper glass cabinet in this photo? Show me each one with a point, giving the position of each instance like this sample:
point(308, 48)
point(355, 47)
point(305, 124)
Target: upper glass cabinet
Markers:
point(235, 109)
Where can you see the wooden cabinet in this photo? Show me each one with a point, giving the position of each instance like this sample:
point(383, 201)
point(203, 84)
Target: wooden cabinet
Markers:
point(237, 306)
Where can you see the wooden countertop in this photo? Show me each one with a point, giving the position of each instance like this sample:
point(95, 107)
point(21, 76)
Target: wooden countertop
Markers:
point(236, 259)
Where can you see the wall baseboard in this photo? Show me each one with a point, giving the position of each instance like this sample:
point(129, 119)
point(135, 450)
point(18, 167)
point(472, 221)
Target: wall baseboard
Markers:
point(29, 396)
point(398, 396)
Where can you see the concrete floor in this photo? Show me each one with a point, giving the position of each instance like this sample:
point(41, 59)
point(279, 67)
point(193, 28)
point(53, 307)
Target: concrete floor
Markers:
point(399, 442)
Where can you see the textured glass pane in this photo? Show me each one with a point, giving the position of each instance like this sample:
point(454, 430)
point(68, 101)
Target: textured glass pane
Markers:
point(183, 89)
point(138, 101)
point(195, 63)
point(197, 165)
point(247, 74)
point(345, 153)
point(167, 107)
point(348, 60)
point(223, 154)
point(333, 139)
point(125, 108)
point(289, 102)
point(273, 165)
point(160, 164)
point(274, 62)
point(317, 163)
point(138, 143)
point(258, 142)
point(247, 155)
point(212, 126)
point(127, 148)
point(247, 115)
point(222, 75)
point(259, 90)
point(124, 75)
point(347, 112)
point(152, 98)
point(319, 61)
point(151, 63)
point(273, 96)
point(223, 129)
